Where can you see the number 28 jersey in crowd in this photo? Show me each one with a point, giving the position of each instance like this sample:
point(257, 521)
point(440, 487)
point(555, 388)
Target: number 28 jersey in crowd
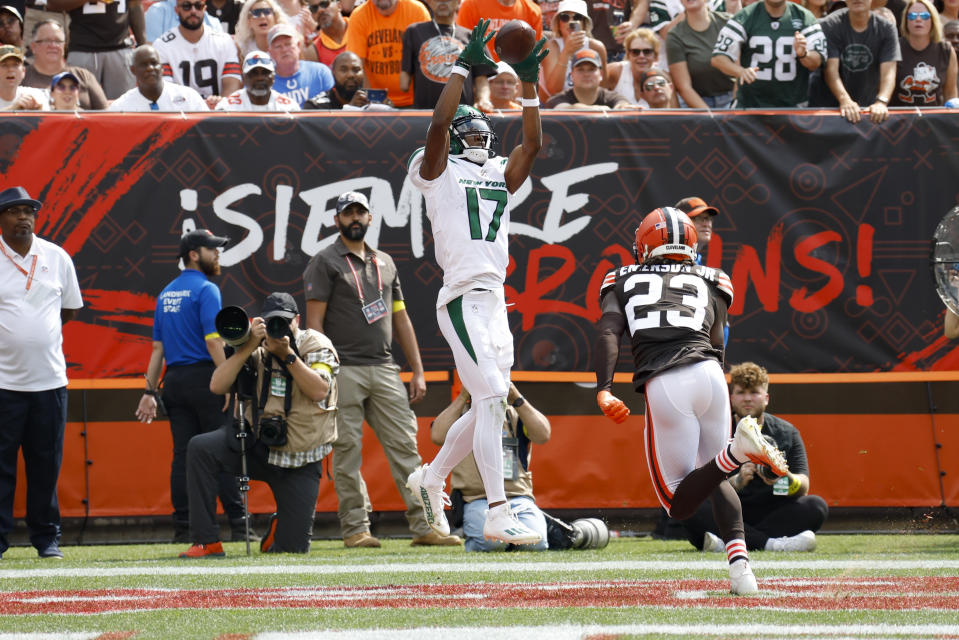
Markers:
point(669, 311)
point(468, 208)
point(201, 65)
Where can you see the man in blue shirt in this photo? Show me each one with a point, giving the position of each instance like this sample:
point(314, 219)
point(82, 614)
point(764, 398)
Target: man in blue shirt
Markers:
point(299, 79)
point(185, 336)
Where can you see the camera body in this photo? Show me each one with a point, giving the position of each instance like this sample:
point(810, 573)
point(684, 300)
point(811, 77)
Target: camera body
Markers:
point(272, 431)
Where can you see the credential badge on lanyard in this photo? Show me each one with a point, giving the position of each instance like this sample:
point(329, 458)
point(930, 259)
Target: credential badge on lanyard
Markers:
point(376, 309)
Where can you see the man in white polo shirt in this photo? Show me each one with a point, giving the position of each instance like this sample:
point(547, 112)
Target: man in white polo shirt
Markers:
point(152, 92)
point(39, 293)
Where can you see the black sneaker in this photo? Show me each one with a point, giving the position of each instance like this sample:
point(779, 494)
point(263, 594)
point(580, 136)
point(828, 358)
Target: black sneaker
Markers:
point(51, 551)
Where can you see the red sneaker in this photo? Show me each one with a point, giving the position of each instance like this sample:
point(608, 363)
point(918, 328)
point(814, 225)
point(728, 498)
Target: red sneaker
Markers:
point(211, 550)
point(266, 542)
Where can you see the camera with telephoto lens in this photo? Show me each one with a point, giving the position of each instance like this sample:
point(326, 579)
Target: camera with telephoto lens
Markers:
point(277, 327)
point(233, 325)
point(590, 533)
point(273, 431)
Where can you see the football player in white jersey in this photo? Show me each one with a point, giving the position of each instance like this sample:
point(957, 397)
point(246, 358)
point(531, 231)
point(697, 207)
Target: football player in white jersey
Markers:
point(675, 312)
point(197, 57)
point(257, 93)
point(458, 172)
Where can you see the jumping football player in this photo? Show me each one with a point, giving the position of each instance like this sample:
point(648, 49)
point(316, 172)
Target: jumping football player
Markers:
point(467, 189)
point(675, 311)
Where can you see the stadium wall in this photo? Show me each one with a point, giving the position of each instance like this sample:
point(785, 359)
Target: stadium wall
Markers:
point(824, 230)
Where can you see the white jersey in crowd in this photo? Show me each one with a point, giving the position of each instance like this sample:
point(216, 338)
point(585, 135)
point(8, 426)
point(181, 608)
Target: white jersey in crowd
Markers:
point(173, 98)
point(202, 65)
point(39, 95)
point(240, 101)
point(468, 208)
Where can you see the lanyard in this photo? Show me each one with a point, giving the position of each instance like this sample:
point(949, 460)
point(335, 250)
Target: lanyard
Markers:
point(33, 266)
point(359, 286)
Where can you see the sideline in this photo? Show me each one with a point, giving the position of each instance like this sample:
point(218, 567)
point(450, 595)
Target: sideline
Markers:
point(193, 567)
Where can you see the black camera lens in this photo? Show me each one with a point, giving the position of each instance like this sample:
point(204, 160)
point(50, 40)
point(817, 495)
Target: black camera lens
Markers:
point(233, 325)
point(277, 327)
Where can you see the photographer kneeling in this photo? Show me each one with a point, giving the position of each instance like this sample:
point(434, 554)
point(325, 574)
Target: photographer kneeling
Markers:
point(291, 413)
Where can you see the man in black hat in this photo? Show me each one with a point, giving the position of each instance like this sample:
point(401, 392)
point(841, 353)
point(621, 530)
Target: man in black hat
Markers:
point(291, 374)
point(39, 294)
point(185, 337)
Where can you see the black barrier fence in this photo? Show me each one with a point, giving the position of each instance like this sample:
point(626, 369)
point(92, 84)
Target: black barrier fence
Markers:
point(824, 225)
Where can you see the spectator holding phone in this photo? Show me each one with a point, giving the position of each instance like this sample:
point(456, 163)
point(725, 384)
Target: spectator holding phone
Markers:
point(572, 32)
point(347, 92)
point(778, 512)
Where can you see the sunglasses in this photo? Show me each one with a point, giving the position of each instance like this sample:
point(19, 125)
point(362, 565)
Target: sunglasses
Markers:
point(566, 17)
point(642, 52)
point(67, 87)
point(198, 6)
point(655, 82)
point(262, 12)
point(319, 5)
point(921, 15)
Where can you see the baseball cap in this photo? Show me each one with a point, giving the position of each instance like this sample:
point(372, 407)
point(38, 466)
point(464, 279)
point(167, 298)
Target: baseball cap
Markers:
point(503, 68)
point(258, 60)
point(587, 55)
point(694, 206)
point(60, 76)
point(279, 304)
point(283, 29)
point(200, 238)
point(651, 73)
point(13, 10)
point(351, 197)
point(10, 51)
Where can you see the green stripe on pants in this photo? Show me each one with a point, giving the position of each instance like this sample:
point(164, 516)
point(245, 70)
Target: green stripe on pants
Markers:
point(455, 309)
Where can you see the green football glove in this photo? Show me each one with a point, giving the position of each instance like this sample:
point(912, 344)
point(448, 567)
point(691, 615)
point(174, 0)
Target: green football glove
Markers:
point(476, 51)
point(528, 69)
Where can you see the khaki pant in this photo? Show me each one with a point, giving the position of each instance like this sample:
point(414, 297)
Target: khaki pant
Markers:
point(377, 394)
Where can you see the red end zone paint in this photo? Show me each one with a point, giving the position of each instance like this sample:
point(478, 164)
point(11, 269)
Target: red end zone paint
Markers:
point(881, 593)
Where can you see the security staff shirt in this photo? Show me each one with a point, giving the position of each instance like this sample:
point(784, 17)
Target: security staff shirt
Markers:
point(185, 318)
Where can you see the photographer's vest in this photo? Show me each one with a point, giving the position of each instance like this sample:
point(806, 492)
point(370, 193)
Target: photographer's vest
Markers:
point(309, 424)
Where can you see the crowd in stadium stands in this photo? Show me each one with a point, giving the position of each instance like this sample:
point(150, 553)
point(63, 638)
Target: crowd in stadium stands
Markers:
point(603, 54)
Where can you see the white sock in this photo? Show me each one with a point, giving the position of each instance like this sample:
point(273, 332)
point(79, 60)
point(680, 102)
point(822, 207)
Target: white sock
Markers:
point(488, 446)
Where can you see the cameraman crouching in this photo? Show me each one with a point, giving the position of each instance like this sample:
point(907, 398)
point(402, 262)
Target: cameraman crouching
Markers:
point(291, 410)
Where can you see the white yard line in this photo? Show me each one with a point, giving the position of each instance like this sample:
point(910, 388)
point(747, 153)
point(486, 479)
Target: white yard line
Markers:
point(210, 568)
point(570, 632)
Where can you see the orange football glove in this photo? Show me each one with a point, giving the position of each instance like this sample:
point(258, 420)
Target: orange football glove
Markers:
point(612, 407)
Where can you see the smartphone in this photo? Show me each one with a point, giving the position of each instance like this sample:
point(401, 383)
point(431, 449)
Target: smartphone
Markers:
point(575, 26)
point(376, 95)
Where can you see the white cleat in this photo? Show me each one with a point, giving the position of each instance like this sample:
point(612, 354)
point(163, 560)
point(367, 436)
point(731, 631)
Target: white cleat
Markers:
point(742, 582)
point(713, 543)
point(502, 525)
point(433, 501)
point(750, 443)
point(803, 541)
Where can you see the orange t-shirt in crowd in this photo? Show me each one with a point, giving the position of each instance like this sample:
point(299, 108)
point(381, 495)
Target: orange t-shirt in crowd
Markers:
point(472, 10)
point(327, 48)
point(378, 39)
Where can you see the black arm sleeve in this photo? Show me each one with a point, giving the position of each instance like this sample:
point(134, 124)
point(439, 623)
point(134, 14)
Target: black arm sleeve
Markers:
point(606, 349)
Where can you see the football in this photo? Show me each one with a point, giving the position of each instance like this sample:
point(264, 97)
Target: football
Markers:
point(514, 41)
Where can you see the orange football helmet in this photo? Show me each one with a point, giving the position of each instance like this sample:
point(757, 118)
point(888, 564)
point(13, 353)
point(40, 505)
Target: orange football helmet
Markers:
point(668, 233)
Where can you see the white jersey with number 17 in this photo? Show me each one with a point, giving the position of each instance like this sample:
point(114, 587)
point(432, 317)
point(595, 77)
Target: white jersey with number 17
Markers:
point(468, 208)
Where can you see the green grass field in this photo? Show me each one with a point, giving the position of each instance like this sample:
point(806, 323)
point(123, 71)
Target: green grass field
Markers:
point(882, 586)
